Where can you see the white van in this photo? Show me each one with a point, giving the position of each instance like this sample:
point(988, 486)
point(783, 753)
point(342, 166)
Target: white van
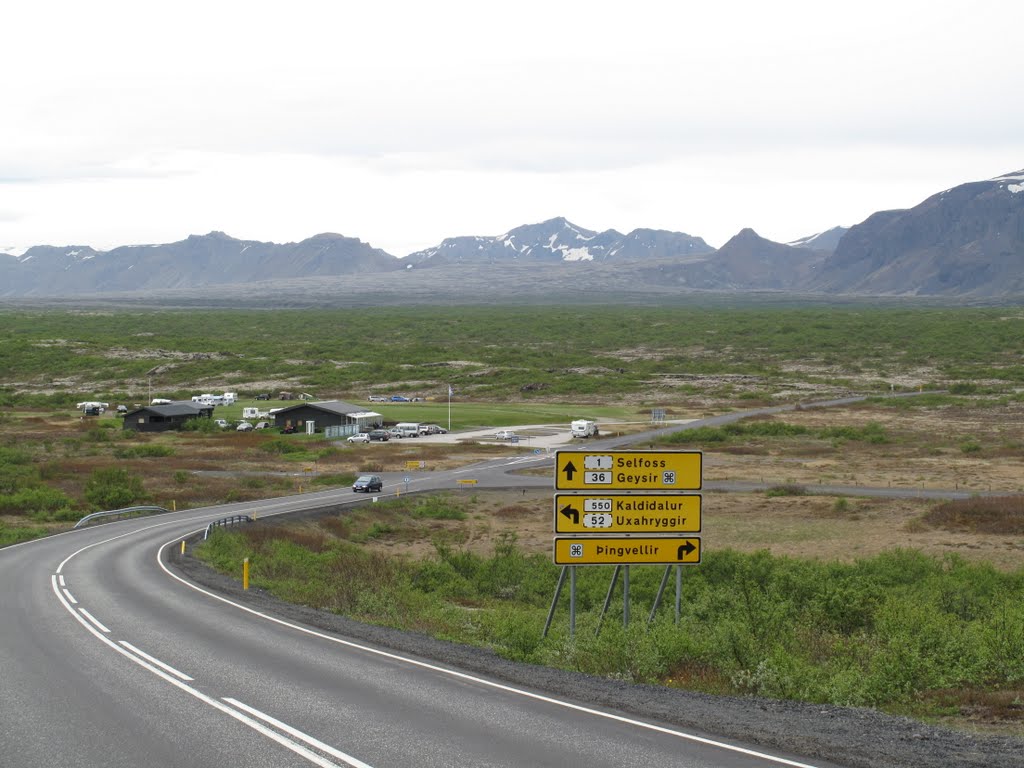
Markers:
point(408, 428)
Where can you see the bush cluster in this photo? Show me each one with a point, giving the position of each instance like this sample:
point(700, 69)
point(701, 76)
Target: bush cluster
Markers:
point(881, 632)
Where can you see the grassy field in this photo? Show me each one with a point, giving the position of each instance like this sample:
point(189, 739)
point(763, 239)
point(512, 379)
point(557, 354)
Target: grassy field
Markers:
point(827, 575)
point(601, 354)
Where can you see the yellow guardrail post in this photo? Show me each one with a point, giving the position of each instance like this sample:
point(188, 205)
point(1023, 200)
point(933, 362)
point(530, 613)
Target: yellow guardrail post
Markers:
point(183, 546)
point(245, 573)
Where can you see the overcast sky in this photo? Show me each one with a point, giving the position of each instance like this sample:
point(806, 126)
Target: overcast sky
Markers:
point(402, 123)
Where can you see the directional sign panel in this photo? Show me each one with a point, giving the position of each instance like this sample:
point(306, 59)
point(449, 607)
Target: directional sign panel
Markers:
point(627, 513)
point(656, 550)
point(628, 470)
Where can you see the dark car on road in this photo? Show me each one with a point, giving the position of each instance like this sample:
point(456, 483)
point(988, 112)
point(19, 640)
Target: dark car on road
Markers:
point(380, 434)
point(367, 484)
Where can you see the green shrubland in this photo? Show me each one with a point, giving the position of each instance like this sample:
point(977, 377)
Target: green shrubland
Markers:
point(887, 632)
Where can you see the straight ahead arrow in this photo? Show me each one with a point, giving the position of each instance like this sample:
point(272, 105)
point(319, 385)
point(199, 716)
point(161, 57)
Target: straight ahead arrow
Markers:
point(570, 470)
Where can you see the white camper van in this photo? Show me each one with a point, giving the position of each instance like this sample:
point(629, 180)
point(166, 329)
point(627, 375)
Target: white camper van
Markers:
point(583, 428)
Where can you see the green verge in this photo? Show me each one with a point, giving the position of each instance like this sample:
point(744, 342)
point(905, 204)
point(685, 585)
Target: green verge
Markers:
point(898, 632)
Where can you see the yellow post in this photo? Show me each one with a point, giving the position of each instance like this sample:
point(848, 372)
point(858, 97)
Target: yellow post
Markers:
point(174, 506)
point(183, 546)
point(245, 573)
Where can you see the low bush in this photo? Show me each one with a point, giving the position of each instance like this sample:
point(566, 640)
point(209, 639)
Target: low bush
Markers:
point(890, 632)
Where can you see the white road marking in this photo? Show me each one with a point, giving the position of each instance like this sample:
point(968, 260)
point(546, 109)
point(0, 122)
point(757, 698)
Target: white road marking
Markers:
point(479, 680)
point(153, 660)
point(70, 597)
point(94, 620)
point(61, 580)
point(242, 718)
point(316, 744)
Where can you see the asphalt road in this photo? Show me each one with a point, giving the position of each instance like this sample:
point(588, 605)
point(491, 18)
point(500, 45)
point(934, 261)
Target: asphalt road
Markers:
point(110, 658)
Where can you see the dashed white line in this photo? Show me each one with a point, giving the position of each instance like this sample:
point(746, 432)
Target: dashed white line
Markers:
point(70, 597)
point(153, 660)
point(242, 718)
point(94, 620)
point(316, 744)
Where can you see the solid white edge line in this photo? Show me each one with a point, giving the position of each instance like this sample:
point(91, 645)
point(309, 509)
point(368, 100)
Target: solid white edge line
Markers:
point(94, 620)
point(256, 726)
point(355, 762)
point(70, 597)
point(154, 660)
point(479, 680)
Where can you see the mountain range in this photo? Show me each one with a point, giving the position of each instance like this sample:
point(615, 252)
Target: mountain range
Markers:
point(964, 242)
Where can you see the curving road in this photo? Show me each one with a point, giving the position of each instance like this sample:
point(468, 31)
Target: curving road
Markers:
point(109, 658)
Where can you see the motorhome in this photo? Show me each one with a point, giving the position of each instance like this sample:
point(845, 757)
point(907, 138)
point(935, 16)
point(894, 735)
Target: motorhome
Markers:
point(583, 428)
point(92, 405)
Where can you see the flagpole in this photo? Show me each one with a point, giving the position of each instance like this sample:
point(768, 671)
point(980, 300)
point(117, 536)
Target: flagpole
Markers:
point(449, 407)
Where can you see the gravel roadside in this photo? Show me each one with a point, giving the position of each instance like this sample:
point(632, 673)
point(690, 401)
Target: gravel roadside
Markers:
point(857, 738)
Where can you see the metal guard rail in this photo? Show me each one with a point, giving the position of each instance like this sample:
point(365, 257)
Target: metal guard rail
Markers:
point(224, 522)
point(125, 511)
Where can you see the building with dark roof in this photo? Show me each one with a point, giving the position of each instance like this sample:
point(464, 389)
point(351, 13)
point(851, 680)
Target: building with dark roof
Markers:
point(326, 413)
point(160, 418)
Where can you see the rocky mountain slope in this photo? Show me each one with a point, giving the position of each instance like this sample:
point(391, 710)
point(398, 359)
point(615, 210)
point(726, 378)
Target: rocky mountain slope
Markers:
point(196, 262)
point(560, 240)
point(965, 241)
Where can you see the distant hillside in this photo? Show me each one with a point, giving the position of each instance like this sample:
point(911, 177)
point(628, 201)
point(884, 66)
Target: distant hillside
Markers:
point(966, 241)
point(559, 240)
point(823, 241)
point(748, 262)
point(196, 262)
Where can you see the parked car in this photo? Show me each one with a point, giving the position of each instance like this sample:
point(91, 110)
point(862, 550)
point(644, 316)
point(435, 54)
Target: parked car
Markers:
point(505, 434)
point(262, 424)
point(222, 423)
point(362, 437)
point(263, 396)
point(122, 409)
point(395, 433)
point(432, 429)
point(399, 399)
point(367, 484)
point(244, 426)
point(378, 399)
point(380, 434)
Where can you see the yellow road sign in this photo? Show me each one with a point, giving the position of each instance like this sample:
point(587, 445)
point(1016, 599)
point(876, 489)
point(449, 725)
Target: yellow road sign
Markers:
point(466, 482)
point(627, 513)
point(654, 550)
point(628, 470)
